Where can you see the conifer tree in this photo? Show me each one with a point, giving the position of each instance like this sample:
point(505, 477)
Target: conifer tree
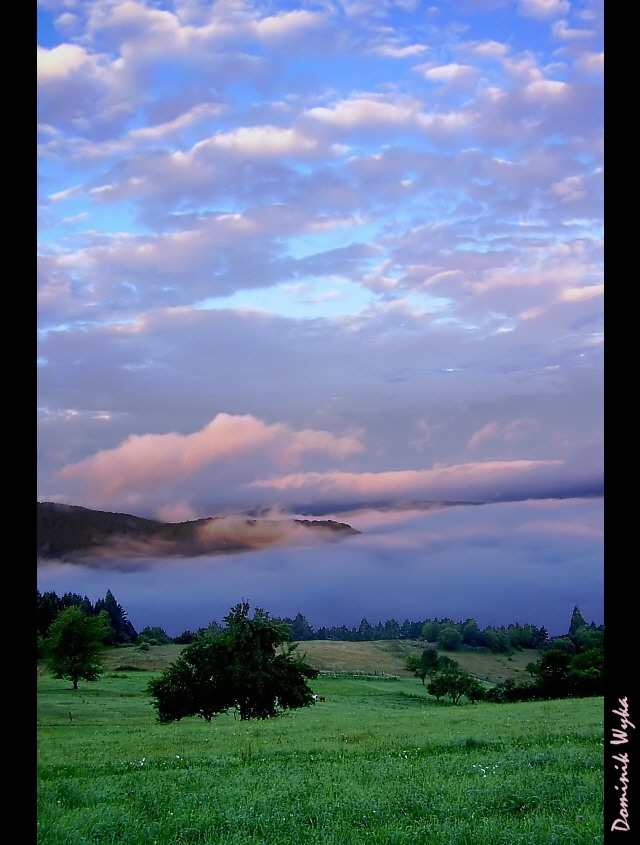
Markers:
point(577, 621)
point(123, 630)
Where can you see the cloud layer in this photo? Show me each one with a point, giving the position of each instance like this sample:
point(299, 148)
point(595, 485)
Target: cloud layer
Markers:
point(314, 254)
point(526, 562)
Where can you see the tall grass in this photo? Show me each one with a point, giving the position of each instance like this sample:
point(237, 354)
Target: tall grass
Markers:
point(378, 762)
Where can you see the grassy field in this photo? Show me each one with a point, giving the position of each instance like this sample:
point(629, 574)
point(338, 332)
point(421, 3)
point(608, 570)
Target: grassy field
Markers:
point(378, 762)
point(384, 657)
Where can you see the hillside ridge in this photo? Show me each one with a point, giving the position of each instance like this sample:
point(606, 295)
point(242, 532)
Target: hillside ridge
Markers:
point(70, 532)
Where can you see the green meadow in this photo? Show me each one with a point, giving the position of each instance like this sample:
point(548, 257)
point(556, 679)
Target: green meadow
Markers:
point(379, 761)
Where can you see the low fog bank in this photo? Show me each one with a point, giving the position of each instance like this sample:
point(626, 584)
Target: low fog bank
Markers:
point(528, 562)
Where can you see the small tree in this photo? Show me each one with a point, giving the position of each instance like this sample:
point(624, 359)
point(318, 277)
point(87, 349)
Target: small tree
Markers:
point(249, 666)
point(474, 691)
point(454, 683)
point(444, 683)
point(430, 631)
point(428, 663)
point(75, 643)
point(450, 638)
point(153, 635)
point(423, 665)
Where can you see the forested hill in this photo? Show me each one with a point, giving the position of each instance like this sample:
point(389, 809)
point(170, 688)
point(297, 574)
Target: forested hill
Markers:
point(71, 532)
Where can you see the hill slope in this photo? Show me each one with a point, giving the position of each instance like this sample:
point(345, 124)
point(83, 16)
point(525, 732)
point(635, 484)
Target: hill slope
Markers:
point(71, 532)
point(382, 657)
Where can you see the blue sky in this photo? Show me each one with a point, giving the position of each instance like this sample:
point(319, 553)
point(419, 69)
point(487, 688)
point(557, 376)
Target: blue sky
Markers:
point(304, 256)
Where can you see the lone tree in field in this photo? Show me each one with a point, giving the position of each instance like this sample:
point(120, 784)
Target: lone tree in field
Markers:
point(429, 663)
point(455, 683)
point(249, 666)
point(75, 643)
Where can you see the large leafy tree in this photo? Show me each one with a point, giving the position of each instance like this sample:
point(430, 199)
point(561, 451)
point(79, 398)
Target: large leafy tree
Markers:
point(430, 631)
point(249, 666)
point(471, 634)
point(75, 643)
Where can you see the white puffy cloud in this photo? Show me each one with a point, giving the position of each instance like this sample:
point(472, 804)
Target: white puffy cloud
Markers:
point(544, 8)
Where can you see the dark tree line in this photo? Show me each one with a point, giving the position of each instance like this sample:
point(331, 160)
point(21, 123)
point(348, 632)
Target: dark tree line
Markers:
point(248, 664)
point(569, 667)
point(444, 633)
point(119, 631)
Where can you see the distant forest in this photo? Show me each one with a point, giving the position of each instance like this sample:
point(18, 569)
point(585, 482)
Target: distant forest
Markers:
point(442, 633)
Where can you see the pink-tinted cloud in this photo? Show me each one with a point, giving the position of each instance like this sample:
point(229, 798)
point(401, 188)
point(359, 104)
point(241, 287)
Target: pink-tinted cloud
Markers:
point(212, 174)
point(438, 483)
point(144, 462)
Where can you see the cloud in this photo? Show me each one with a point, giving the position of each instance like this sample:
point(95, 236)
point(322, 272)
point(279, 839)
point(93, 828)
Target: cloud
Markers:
point(544, 8)
point(366, 112)
point(260, 142)
point(60, 63)
point(397, 52)
point(294, 255)
point(71, 80)
point(287, 24)
point(385, 375)
point(527, 562)
point(483, 481)
point(450, 73)
point(142, 463)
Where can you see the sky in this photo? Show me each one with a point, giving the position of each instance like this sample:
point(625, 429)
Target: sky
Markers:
point(327, 258)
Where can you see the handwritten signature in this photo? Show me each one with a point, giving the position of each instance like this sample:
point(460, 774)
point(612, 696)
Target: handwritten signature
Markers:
point(620, 737)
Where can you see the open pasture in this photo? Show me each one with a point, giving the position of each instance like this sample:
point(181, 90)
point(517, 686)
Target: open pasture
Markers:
point(378, 762)
point(379, 657)
point(386, 657)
